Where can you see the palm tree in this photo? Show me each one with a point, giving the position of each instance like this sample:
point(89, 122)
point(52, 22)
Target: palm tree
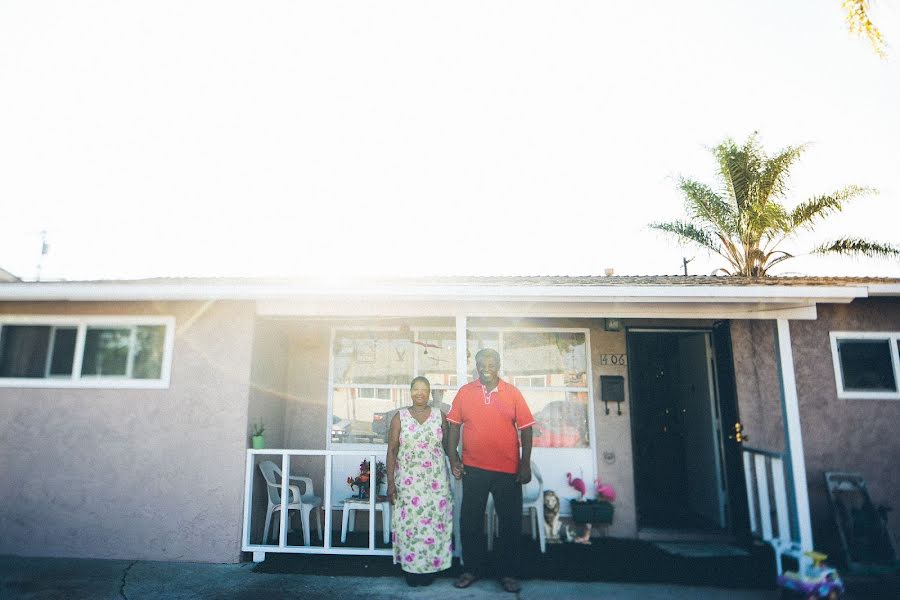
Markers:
point(745, 223)
point(859, 21)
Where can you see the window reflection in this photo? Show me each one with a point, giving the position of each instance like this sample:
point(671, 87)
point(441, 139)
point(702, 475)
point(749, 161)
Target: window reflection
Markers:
point(372, 373)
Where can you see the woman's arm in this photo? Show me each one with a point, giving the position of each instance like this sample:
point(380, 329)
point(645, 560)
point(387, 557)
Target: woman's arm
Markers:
point(393, 450)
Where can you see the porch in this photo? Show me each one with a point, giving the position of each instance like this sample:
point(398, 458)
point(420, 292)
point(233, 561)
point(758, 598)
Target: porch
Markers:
point(330, 385)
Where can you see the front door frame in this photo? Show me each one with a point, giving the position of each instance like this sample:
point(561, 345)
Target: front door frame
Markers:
point(725, 475)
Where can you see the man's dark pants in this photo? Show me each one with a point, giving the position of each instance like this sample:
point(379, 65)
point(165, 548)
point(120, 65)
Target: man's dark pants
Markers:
point(507, 493)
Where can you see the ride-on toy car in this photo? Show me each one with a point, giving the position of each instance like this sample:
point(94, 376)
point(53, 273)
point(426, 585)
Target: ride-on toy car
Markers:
point(816, 581)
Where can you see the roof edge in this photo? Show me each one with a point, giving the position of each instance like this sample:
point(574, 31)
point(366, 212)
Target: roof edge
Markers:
point(174, 291)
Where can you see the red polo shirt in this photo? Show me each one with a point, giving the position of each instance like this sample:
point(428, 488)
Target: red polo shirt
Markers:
point(490, 436)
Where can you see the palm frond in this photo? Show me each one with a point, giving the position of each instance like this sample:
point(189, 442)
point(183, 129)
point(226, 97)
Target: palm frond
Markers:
point(739, 168)
point(773, 178)
point(852, 246)
point(856, 13)
point(704, 204)
point(688, 232)
point(732, 251)
point(771, 262)
point(806, 213)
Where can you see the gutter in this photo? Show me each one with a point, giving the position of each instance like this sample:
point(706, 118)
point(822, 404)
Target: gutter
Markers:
point(884, 289)
point(96, 292)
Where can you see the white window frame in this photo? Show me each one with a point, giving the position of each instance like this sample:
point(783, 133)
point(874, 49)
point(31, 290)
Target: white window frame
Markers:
point(891, 337)
point(81, 324)
point(525, 381)
point(371, 392)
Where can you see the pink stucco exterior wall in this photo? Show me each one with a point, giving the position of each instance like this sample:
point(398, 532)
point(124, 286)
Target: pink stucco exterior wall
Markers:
point(838, 435)
point(133, 474)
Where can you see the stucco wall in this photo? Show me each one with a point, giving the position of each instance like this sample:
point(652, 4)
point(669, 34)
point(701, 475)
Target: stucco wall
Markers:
point(268, 395)
point(756, 381)
point(133, 474)
point(307, 384)
point(615, 459)
point(838, 435)
point(845, 435)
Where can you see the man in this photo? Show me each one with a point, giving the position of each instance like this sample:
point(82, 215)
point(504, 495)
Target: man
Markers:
point(494, 414)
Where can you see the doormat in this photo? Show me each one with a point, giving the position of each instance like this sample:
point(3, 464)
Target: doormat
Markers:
point(700, 549)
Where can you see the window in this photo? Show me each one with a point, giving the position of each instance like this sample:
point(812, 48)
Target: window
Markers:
point(371, 372)
point(551, 369)
point(372, 369)
point(866, 365)
point(85, 352)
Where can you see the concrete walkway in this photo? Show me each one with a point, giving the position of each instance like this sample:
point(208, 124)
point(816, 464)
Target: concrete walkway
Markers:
point(74, 579)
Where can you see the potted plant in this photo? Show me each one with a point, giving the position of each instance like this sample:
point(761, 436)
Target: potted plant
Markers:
point(599, 510)
point(362, 482)
point(257, 438)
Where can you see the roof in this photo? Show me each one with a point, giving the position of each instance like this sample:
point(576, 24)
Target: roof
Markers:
point(7, 276)
point(664, 295)
point(489, 280)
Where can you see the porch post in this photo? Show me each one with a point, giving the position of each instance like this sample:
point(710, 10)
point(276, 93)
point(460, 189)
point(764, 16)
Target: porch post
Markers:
point(462, 365)
point(461, 356)
point(793, 437)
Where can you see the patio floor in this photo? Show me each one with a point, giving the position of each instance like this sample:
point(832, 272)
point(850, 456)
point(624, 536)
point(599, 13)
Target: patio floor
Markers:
point(605, 559)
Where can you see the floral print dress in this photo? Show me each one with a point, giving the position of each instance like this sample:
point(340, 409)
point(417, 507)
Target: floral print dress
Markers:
point(422, 518)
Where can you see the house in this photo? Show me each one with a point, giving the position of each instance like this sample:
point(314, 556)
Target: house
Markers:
point(126, 406)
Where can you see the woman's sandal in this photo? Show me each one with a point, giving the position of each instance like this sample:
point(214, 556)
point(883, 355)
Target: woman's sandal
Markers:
point(465, 580)
point(510, 585)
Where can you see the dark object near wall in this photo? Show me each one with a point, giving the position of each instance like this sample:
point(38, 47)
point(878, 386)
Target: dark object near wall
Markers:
point(592, 511)
point(612, 389)
point(865, 539)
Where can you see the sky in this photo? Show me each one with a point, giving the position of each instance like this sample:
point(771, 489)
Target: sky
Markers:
point(245, 138)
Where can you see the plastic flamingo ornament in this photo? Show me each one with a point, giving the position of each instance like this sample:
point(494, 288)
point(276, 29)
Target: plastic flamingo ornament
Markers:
point(605, 491)
point(578, 484)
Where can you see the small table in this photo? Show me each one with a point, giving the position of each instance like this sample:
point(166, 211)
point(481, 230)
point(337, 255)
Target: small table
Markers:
point(351, 505)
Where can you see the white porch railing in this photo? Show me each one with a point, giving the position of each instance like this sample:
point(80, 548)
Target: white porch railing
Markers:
point(762, 468)
point(259, 550)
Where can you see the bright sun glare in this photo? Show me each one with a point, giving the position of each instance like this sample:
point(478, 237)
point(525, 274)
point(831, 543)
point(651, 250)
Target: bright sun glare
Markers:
point(239, 138)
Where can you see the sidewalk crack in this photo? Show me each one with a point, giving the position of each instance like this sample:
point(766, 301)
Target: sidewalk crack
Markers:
point(124, 577)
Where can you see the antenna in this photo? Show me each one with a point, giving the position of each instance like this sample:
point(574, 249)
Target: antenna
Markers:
point(45, 249)
point(684, 261)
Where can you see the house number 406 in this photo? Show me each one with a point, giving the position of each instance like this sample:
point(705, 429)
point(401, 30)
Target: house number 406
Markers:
point(612, 359)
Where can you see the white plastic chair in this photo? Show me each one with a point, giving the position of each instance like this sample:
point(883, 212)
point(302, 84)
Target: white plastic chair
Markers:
point(532, 505)
point(305, 503)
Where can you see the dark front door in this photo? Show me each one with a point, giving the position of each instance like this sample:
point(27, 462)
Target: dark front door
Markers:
point(679, 472)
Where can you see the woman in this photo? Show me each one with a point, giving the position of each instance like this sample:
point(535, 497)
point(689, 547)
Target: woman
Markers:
point(419, 489)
